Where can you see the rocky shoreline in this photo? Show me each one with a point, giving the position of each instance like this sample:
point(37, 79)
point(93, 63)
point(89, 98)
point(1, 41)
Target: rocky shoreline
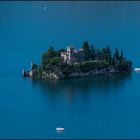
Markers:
point(43, 75)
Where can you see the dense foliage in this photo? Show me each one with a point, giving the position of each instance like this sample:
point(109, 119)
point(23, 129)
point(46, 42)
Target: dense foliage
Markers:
point(94, 58)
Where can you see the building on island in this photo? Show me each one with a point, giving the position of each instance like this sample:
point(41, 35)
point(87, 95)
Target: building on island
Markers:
point(72, 55)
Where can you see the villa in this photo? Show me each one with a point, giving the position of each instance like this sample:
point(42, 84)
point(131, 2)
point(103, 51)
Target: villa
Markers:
point(72, 55)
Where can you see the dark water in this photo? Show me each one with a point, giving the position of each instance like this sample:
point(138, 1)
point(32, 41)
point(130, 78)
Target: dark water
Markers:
point(99, 107)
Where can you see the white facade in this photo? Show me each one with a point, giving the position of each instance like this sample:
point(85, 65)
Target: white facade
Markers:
point(71, 54)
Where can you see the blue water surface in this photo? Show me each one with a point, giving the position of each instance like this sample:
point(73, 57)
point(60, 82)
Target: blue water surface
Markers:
point(98, 107)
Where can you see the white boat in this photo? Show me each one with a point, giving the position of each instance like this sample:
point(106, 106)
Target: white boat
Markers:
point(60, 129)
point(137, 69)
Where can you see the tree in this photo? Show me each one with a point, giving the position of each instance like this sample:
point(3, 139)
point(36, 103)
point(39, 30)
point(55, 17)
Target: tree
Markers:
point(98, 54)
point(92, 52)
point(55, 61)
point(66, 69)
point(121, 57)
point(34, 67)
point(86, 50)
point(106, 54)
point(129, 64)
point(53, 64)
point(51, 48)
point(48, 55)
point(116, 54)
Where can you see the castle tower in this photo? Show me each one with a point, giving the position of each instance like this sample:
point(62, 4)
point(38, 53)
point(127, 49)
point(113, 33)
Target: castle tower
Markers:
point(69, 52)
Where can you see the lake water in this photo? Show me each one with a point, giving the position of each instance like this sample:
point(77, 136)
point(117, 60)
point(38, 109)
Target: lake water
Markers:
point(99, 107)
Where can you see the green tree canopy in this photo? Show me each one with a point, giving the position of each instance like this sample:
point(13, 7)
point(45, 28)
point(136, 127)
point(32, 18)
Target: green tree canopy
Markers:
point(48, 55)
point(86, 49)
point(92, 52)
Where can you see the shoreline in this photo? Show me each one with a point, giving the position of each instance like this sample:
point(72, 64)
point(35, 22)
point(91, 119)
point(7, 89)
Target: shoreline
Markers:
point(52, 76)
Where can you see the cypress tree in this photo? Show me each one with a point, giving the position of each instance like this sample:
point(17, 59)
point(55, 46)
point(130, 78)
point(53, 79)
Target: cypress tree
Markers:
point(121, 56)
point(117, 54)
point(86, 49)
point(92, 52)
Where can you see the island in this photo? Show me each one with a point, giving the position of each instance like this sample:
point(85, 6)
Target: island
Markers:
point(87, 61)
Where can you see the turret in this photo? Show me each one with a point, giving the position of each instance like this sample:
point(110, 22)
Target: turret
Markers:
point(69, 51)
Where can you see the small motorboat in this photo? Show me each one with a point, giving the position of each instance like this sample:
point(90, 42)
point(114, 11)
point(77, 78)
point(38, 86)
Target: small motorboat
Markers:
point(137, 69)
point(60, 129)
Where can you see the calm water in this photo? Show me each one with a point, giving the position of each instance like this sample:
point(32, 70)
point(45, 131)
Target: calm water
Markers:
point(99, 107)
